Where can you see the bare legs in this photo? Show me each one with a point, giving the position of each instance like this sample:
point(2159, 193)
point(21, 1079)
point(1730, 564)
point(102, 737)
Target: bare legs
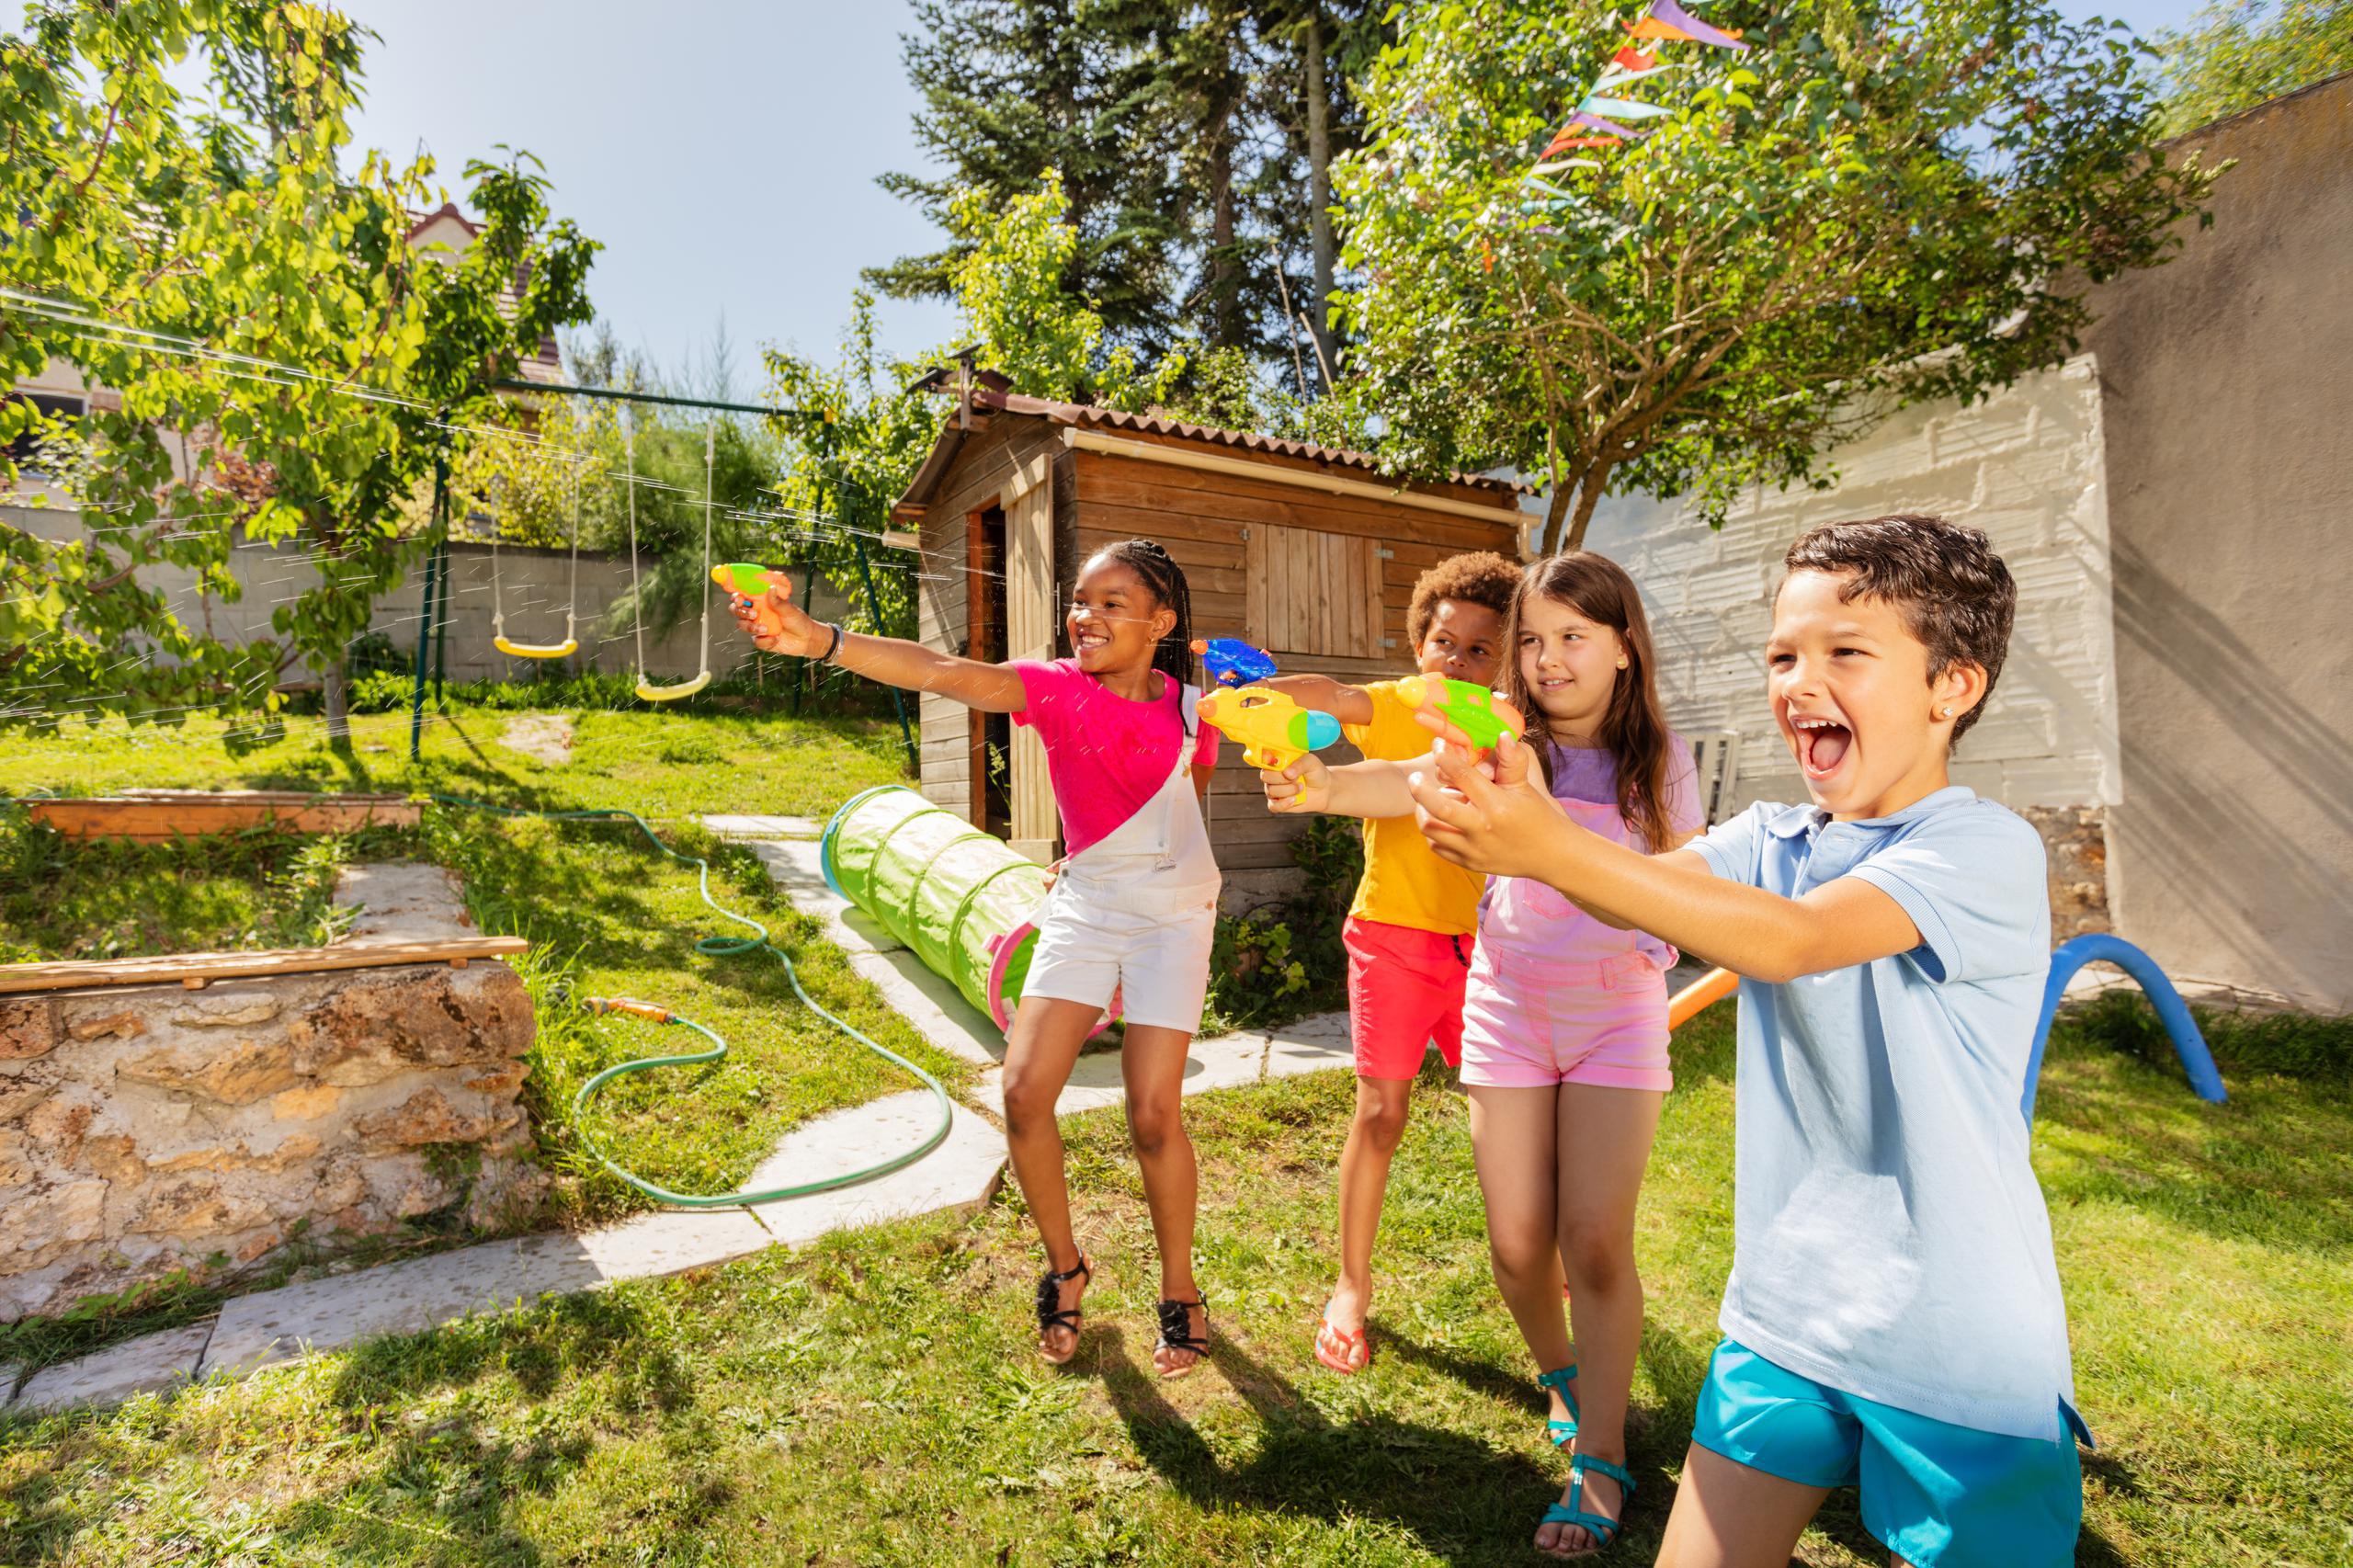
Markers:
point(1044, 1042)
point(1373, 1135)
point(1560, 1169)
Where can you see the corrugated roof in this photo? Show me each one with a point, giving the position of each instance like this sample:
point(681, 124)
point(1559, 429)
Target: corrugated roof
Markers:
point(987, 399)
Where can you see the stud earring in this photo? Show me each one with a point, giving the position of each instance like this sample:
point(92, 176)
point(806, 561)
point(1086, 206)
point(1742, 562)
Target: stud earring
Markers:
point(1948, 709)
point(1622, 664)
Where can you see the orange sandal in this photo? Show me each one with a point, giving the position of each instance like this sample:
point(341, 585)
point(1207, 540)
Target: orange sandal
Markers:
point(1336, 1348)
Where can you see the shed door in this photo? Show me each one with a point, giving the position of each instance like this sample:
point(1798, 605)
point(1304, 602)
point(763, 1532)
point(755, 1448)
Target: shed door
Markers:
point(1313, 592)
point(1029, 608)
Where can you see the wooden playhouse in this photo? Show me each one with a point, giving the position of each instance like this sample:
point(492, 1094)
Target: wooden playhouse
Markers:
point(1309, 552)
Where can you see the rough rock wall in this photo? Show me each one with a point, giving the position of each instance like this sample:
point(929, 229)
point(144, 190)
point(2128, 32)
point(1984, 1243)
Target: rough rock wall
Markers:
point(145, 1130)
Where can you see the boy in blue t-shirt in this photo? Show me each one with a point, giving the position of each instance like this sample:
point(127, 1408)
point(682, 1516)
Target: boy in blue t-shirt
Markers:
point(1893, 1317)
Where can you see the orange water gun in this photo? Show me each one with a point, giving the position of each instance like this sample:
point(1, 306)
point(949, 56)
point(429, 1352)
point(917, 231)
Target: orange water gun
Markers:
point(750, 582)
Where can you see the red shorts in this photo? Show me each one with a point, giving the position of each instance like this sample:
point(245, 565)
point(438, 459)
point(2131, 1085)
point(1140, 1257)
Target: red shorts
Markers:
point(1405, 991)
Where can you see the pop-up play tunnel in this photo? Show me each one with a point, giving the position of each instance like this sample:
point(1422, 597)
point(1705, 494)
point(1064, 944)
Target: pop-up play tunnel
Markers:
point(958, 897)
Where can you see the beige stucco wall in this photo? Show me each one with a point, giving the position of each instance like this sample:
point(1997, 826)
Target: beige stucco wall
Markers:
point(2228, 383)
point(2025, 465)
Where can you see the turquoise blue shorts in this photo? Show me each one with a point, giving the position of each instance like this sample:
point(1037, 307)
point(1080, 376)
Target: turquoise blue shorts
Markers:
point(1936, 1494)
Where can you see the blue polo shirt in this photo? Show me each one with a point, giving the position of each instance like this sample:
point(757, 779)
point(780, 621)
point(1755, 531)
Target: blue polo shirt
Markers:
point(1889, 1237)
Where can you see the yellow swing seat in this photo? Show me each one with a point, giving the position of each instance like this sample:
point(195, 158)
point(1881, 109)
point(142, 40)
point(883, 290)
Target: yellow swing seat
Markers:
point(653, 693)
point(562, 650)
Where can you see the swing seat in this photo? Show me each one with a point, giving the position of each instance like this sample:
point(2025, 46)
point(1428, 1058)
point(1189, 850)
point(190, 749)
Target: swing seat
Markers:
point(562, 650)
point(653, 693)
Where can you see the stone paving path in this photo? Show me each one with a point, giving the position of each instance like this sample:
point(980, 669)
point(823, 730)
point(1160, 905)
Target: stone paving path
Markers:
point(271, 1327)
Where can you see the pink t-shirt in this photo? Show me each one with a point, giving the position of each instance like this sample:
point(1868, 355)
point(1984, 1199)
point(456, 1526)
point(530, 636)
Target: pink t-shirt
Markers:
point(1107, 755)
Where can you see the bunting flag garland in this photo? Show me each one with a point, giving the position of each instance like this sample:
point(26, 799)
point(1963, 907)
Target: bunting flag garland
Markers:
point(1596, 125)
point(1628, 108)
point(1692, 28)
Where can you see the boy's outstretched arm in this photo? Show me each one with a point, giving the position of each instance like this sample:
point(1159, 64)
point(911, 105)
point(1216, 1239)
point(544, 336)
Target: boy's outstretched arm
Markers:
point(992, 689)
point(1508, 826)
point(1348, 704)
point(1368, 788)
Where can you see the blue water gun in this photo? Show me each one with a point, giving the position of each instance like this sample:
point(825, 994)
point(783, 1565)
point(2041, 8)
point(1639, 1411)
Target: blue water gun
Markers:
point(1231, 661)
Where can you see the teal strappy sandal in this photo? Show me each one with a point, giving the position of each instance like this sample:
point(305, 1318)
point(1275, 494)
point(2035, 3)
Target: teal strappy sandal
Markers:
point(1603, 1528)
point(1558, 1380)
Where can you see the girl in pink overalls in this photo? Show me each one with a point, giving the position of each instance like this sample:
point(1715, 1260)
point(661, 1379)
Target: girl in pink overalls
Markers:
point(1133, 909)
point(1564, 1018)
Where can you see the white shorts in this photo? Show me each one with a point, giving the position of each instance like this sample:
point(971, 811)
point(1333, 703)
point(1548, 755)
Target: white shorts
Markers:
point(1158, 960)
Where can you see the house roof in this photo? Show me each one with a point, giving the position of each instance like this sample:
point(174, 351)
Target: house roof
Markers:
point(544, 364)
point(989, 395)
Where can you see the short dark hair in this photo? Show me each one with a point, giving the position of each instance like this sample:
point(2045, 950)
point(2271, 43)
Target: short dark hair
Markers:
point(1953, 592)
point(1480, 577)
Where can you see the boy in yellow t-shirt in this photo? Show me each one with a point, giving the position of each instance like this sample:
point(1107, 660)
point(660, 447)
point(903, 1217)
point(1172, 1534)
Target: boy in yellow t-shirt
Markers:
point(1410, 930)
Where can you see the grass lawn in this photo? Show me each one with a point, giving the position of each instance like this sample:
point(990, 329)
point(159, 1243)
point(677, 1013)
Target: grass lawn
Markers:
point(609, 913)
point(874, 1399)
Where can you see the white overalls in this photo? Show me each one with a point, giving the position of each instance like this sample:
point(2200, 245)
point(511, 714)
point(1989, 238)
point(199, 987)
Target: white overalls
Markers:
point(1136, 911)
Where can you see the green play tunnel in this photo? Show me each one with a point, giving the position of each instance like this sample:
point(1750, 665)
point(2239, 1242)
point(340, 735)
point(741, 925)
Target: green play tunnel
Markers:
point(957, 896)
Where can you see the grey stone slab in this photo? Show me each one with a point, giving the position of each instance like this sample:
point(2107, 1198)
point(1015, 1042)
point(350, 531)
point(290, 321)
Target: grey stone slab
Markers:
point(961, 1173)
point(749, 826)
point(935, 1007)
point(271, 1327)
point(403, 902)
point(11, 1373)
point(153, 1361)
point(793, 865)
point(1223, 1062)
point(1312, 1044)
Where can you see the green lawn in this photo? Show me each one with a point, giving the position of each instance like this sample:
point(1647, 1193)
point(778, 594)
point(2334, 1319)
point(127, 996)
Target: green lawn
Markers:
point(610, 915)
point(874, 1399)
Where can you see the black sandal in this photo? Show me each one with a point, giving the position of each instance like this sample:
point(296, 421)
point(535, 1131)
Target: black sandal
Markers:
point(1176, 1333)
point(1053, 1314)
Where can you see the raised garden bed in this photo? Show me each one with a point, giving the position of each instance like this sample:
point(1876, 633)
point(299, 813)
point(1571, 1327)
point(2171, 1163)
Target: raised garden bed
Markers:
point(154, 815)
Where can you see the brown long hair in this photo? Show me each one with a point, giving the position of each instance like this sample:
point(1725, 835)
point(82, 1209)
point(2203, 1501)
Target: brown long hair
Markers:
point(1634, 728)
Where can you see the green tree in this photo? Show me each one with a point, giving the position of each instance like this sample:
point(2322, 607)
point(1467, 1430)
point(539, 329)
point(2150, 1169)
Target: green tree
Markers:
point(260, 309)
point(1194, 141)
point(1875, 204)
point(2239, 54)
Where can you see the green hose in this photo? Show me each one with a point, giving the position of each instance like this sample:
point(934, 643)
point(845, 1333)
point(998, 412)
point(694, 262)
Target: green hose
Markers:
point(714, 947)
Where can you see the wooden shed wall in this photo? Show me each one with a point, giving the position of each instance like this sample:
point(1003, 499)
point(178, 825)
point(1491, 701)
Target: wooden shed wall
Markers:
point(1209, 523)
point(1213, 524)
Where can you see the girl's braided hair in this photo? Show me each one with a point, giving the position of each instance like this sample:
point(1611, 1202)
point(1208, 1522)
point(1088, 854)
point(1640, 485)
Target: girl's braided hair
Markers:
point(1166, 581)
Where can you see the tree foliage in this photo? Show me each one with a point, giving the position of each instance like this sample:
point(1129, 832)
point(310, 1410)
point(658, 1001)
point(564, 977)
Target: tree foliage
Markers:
point(1879, 202)
point(180, 239)
point(1188, 136)
point(2239, 54)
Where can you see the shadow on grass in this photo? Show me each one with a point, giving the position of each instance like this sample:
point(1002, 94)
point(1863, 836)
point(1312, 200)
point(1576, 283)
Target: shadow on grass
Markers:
point(1458, 1496)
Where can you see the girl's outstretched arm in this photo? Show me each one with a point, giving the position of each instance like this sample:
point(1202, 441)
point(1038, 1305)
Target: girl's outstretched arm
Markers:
point(1348, 704)
point(992, 689)
point(1505, 825)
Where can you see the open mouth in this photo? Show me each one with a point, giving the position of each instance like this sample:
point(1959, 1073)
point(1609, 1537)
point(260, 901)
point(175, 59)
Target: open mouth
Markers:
point(1821, 744)
point(1089, 641)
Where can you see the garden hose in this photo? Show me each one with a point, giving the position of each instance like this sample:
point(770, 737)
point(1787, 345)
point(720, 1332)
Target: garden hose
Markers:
point(714, 947)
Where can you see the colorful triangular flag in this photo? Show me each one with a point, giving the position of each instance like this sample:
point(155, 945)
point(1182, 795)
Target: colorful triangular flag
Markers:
point(1692, 27)
point(1624, 109)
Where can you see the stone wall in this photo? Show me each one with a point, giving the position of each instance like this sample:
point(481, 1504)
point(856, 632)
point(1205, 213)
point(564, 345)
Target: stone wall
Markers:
point(145, 1130)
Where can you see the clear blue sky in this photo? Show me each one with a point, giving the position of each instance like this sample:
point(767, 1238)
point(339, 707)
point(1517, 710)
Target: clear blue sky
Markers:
point(724, 153)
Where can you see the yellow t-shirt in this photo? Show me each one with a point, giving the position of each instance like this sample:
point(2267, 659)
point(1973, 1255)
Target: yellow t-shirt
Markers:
point(1404, 881)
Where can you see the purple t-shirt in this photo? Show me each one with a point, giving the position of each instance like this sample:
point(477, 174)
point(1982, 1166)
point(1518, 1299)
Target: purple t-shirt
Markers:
point(1106, 755)
point(1529, 920)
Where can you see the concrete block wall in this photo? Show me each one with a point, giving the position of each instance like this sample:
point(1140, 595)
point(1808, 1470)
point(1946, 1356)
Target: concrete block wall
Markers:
point(2026, 465)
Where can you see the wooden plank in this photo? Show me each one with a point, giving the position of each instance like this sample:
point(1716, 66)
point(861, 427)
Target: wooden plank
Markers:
point(201, 968)
point(155, 817)
point(1158, 490)
point(1030, 595)
point(1229, 554)
point(1254, 588)
point(1309, 474)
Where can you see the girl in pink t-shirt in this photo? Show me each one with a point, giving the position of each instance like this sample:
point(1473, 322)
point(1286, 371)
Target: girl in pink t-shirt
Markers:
point(1132, 911)
point(1564, 1016)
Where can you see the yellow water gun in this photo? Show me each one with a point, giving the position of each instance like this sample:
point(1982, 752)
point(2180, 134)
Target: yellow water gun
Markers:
point(1273, 731)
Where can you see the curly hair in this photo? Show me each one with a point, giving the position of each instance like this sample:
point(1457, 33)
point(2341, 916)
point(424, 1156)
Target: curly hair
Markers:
point(1480, 577)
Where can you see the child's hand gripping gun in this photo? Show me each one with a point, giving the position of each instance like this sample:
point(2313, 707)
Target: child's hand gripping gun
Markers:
point(1465, 713)
point(750, 582)
point(1231, 661)
point(1273, 731)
